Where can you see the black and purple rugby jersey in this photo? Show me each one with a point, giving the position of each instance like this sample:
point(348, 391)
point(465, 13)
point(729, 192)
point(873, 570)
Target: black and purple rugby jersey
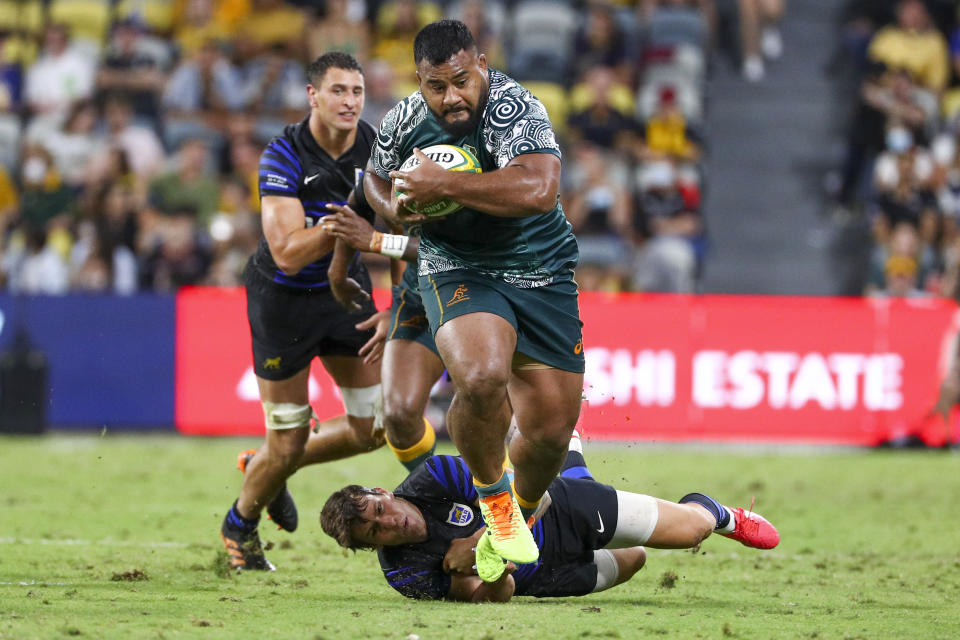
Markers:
point(293, 165)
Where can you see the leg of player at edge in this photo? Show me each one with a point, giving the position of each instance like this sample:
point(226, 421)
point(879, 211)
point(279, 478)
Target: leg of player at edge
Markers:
point(644, 520)
point(409, 372)
point(285, 450)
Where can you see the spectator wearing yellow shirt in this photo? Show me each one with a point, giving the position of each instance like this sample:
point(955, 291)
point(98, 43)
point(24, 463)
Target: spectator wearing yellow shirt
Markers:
point(196, 22)
point(9, 198)
point(272, 23)
point(915, 45)
point(397, 24)
point(667, 135)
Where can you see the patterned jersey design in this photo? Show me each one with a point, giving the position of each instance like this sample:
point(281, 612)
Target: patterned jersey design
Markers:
point(524, 252)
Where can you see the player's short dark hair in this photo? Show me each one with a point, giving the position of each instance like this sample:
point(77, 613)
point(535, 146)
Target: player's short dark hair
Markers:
point(338, 59)
point(342, 510)
point(439, 40)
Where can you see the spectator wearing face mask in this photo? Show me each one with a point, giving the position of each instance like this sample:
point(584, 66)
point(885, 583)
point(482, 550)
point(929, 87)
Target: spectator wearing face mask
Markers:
point(598, 206)
point(44, 196)
point(901, 182)
point(671, 241)
point(885, 97)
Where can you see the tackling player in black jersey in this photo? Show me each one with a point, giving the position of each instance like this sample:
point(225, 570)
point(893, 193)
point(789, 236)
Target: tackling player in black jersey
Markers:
point(589, 534)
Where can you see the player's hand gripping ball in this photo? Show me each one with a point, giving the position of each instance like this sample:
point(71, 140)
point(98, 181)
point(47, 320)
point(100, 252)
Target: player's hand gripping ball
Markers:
point(451, 158)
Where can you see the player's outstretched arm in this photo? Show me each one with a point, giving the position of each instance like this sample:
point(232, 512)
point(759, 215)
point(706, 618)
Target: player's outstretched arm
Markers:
point(461, 556)
point(345, 289)
point(527, 186)
point(292, 245)
point(347, 225)
point(372, 350)
point(473, 589)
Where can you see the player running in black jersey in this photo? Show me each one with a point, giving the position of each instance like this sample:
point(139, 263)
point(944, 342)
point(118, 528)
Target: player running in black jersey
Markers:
point(589, 536)
point(293, 316)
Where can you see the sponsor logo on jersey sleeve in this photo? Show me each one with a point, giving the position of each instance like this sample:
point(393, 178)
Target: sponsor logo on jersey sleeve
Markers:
point(276, 180)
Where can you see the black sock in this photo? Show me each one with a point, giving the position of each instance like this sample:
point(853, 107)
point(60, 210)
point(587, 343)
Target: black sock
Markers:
point(575, 466)
point(718, 510)
point(237, 520)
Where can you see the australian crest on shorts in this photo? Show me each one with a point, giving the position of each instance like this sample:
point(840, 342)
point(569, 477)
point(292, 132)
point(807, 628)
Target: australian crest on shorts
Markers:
point(526, 252)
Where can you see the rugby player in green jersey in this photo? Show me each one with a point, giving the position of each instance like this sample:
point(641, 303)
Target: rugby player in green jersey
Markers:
point(496, 276)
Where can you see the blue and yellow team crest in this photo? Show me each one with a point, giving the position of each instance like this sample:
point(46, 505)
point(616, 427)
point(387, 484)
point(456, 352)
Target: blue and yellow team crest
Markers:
point(460, 515)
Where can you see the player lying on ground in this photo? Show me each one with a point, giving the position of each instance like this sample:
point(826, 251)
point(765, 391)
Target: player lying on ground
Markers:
point(426, 532)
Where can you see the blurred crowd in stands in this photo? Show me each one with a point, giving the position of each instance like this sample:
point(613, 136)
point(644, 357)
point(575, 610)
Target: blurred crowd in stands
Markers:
point(130, 130)
point(901, 167)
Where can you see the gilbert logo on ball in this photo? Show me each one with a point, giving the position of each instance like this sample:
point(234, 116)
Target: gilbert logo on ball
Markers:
point(451, 158)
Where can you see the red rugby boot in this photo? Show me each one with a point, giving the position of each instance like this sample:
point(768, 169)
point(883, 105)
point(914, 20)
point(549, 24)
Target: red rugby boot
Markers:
point(753, 530)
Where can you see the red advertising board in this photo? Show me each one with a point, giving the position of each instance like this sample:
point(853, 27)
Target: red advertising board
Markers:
point(216, 389)
point(737, 368)
point(757, 368)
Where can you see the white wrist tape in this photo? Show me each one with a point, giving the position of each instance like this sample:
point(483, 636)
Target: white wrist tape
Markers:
point(393, 246)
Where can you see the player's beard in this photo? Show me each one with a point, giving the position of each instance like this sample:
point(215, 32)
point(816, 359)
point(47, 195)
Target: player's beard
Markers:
point(462, 128)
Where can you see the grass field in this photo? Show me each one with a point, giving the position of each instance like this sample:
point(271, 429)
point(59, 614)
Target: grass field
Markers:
point(117, 537)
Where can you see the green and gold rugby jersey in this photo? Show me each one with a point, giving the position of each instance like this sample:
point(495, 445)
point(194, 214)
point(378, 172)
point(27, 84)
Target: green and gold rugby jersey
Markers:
point(525, 252)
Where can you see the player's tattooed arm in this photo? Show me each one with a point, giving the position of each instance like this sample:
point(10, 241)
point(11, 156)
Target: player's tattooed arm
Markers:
point(527, 186)
point(381, 197)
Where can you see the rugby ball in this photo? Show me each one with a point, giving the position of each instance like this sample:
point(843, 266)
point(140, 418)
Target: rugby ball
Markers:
point(451, 158)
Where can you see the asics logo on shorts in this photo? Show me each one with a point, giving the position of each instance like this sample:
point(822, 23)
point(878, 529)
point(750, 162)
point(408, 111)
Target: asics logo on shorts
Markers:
point(459, 295)
point(578, 348)
point(272, 363)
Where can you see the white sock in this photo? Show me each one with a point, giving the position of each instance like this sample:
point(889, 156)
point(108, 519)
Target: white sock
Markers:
point(575, 444)
point(731, 525)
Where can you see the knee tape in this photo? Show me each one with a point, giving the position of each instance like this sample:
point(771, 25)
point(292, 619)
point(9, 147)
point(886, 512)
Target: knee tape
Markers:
point(607, 569)
point(287, 415)
point(361, 402)
point(637, 517)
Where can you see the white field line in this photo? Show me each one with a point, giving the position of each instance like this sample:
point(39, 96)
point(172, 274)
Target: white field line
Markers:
point(106, 542)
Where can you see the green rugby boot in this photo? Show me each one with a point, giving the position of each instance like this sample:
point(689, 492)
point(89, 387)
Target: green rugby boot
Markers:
point(509, 536)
